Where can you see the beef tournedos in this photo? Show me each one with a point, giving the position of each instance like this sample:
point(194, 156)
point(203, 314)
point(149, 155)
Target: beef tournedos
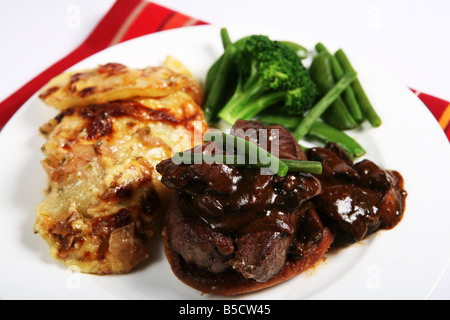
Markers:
point(225, 219)
point(239, 219)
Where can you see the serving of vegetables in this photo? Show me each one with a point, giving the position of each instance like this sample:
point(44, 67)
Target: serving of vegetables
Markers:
point(260, 78)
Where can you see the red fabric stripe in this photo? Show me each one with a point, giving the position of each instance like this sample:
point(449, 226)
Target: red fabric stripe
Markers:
point(155, 18)
point(98, 40)
point(149, 21)
point(177, 19)
point(436, 105)
point(102, 35)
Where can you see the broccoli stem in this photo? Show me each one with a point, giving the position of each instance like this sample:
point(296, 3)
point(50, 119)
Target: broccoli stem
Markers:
point(243, 103)
point(234, 106)
point(321, 106)
point(255, 107)
point(364, 102)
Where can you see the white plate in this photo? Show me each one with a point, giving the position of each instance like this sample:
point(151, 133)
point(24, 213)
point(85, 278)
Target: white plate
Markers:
point(403, 263)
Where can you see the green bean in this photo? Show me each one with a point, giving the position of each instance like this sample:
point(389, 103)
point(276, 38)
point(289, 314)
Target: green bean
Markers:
point(197, 158)
point(213, 71)
point(327, 133)
point(337, 114)
point(289, 122)
point(223, 83)
point(252, 151)
point(366, 106)
point(321, 106)
point(225, 38)
point(349, 95)
point(211, 75)
point(314, 167)
point(320, 131)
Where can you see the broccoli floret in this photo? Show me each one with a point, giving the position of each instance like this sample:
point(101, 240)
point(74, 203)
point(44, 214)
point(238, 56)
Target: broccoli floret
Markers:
point(270, 74)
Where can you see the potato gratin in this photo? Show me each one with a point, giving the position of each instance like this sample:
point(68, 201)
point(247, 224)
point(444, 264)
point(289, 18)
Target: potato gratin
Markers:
point(104, 198)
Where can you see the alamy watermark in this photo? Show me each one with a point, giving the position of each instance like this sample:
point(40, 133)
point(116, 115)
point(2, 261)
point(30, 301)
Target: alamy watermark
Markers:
point(73, 281)
point(73, 21)
point(373, 281)
point(223, 148)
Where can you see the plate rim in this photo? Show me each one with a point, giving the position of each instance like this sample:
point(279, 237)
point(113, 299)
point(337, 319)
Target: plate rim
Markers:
point(130, 42)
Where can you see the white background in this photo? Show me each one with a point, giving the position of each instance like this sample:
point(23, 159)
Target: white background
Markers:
point(410, 39)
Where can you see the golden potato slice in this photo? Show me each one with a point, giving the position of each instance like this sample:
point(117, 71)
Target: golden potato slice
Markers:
point(114, 81)
point(104, 198)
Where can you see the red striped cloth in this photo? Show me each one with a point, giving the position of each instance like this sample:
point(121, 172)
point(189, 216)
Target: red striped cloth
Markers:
point(128, 19)
point(125, 20)
point(439, 108)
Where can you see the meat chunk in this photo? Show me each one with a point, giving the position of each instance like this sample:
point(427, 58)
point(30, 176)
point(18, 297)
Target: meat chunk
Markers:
point(237, 218)
point(309, 232)
point(196, 242)
point(263, 260)
point(277, 139)
point(358, 198)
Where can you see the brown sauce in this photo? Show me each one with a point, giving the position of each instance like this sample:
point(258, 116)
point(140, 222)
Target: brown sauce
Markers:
point(266, 219)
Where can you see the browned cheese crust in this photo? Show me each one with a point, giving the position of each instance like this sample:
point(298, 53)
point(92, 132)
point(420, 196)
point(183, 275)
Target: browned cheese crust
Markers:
point(104, 198)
